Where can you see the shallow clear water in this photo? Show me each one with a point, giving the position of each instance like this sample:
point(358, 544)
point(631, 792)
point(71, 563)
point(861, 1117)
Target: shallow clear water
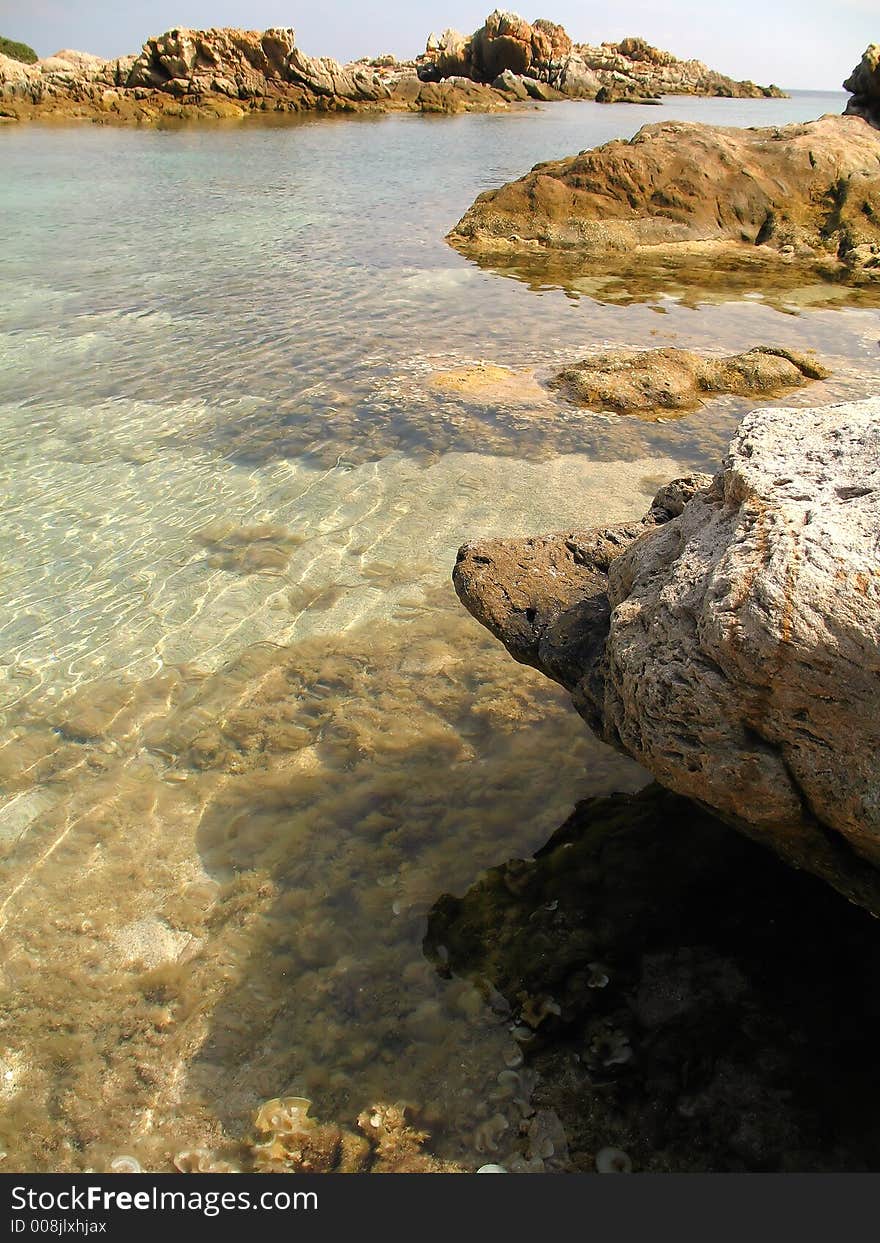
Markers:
point(249, 734)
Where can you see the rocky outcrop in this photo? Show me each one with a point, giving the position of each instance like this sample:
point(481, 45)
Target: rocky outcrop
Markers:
point(864, 83)
point(243, 64)
point(503, 42)
point(653, 383)
point(228, 73)
point(625, 95)
point(730, 641)
point(807, 192)
point(448, 56)
point(224, 73)
point(633, 68)
point(542, 50)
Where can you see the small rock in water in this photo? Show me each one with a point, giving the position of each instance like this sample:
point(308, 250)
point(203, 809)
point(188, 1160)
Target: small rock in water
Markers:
point(613, 1161)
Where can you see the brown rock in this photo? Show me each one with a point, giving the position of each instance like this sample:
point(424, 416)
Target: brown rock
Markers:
point(503, 42)
point(653, 383)
point(807, 191)
point(549, 42)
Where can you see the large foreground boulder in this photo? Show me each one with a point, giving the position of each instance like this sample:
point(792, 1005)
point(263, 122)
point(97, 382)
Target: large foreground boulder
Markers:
point(809, 192)
point(730, 642)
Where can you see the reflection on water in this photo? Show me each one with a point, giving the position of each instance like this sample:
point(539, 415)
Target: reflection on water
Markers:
point(694, 279)
point(249, 737)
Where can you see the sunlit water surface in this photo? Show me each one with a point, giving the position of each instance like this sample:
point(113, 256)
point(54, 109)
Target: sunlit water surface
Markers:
point(249, 735)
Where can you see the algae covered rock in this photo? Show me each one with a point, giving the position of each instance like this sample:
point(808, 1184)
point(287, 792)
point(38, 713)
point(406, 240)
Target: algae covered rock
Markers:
point(731, 641)
point(655, 383)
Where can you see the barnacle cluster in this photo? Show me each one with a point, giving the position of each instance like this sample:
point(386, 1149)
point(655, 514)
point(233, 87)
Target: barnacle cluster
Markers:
point(291, 1141)
point(396, 1145)
point(295, 1143)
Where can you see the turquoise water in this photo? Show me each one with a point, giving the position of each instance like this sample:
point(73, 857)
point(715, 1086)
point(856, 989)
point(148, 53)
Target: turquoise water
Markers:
point(249, 734)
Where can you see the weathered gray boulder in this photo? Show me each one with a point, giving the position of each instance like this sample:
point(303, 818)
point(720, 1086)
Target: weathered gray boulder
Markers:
point(575, 78)
point(446, 56)
point(513, 83)
point(325, 76)
point(730, 642)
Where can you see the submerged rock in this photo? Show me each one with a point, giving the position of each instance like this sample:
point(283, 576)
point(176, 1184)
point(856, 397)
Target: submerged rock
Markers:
point(806, 192)
point(653, 383)
point(730, 642)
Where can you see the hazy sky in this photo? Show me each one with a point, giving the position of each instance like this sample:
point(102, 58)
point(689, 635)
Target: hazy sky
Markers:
point(795, 43)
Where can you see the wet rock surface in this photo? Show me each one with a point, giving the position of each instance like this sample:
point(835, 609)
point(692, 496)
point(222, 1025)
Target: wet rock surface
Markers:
point(731, 641)
point(682, 1001)
point(653, 383)
point(807, 194)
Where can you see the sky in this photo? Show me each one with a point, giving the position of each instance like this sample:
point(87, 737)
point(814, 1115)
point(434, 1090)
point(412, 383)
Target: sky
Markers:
point(800, 44)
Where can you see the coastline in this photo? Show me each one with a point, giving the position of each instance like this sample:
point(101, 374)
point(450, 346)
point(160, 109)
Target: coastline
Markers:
point(262, 766)
point(228, 74)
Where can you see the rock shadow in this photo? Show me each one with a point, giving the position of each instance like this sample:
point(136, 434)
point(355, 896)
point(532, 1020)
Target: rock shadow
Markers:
point(678, 993)
point(349, 784)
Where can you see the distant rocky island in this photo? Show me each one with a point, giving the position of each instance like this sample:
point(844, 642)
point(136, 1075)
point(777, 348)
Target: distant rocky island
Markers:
point(230, 74)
